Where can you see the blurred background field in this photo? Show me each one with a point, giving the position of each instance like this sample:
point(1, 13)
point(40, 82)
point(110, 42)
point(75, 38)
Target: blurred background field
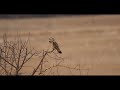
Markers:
point(93, 41)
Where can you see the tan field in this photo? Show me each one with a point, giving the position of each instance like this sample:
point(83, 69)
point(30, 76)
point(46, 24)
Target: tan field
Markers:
point(92, 41)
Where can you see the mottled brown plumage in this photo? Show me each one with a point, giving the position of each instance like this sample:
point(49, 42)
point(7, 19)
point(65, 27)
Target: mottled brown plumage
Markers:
point(55, 44)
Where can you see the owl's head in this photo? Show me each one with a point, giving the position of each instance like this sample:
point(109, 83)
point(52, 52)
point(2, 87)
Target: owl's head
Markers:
point(51, 39)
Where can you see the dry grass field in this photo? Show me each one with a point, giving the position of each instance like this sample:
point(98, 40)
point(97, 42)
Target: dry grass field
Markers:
point(90, 41)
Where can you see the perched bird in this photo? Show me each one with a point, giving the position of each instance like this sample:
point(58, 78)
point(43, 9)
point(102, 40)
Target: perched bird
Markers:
point(54, 44)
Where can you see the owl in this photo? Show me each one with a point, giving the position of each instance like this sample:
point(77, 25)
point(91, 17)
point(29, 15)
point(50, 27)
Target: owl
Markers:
point(54, 44)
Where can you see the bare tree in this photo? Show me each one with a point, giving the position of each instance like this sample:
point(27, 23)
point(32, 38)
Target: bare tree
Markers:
point(14, 55)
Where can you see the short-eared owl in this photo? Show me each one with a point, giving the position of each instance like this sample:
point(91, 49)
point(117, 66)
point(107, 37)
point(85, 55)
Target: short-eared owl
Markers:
point(55, 45)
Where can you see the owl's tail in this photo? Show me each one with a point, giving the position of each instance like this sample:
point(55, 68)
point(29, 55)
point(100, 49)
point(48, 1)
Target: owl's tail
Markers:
point(59, 51)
